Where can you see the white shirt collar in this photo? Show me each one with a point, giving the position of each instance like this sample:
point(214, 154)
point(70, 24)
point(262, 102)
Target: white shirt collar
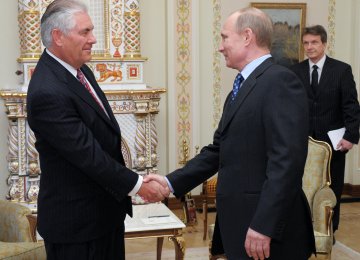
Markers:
point(320, 63)
point(67, 66)
point(249, 68)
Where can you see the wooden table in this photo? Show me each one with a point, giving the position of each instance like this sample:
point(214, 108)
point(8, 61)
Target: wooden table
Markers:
point(158, 221)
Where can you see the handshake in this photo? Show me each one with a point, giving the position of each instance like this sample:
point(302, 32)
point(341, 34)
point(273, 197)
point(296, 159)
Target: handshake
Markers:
point(154, 188)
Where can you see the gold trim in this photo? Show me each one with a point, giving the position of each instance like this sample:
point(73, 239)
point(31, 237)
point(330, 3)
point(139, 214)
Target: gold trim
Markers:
point(217, 104)
point(148, 91)
point(17, 94)
point(331, 28)
point(28, 12)
point(12, 94)
point(94, 58)
point(328, 147)
point(132, 13)
point(107, 29)
point(132, 58)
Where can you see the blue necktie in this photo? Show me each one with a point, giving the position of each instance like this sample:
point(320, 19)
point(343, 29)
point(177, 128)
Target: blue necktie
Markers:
point(236, 86)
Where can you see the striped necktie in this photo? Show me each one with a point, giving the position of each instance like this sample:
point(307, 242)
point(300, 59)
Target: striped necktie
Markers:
point(81, 77)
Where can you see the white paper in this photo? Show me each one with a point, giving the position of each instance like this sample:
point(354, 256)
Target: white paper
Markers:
point(157, 220)
point(335, 136)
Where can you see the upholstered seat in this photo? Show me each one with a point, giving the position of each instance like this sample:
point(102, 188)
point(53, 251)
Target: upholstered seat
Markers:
point(321, 198)
point(17, 233)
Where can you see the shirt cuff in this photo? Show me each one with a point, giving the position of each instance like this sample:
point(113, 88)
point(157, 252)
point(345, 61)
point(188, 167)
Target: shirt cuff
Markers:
point(169, 184)
point(136, 187)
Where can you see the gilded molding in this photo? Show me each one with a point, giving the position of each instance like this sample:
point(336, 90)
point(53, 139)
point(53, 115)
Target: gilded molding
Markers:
point(216, 63)
point(183, 74)
point(30, 40)
point(331, 27)
point(179, 243)
point(22, 146)
point(153, 92)
point(154, 141)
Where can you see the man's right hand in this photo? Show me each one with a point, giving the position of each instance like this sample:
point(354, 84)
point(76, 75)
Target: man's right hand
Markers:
point(158, 178)
point(153, 191)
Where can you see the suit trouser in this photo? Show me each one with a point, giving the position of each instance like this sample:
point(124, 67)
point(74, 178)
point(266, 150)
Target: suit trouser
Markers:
point(108, 247)
point(337, 171)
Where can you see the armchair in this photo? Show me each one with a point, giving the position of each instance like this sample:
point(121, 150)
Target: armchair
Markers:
point(17, 233)
point(209, 196)
point(322, 200)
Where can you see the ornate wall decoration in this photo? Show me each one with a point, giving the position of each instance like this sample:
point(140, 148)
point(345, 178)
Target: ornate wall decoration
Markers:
point(117, 26)
point(183, 73)
point(118, 67)
point(216, 62)
point(134, 110)
point(29, 29)
point(331, 28)
point(132, 29)
point(117, 56)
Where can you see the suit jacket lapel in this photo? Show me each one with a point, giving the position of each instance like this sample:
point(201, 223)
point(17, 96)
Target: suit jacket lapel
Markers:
point(244, 91)
point(75, 86)
point(323, 78)
point(305, 77)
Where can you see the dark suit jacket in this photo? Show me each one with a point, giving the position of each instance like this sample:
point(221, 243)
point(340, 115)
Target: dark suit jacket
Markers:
point(335, 103)
point(84, 183)
point(259, 151)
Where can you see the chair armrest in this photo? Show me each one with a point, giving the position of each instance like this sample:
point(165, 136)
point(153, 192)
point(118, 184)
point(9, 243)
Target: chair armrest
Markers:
point(323, 203)
point(33, 225)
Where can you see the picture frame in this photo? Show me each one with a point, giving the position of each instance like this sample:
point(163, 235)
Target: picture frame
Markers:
point(289, 20)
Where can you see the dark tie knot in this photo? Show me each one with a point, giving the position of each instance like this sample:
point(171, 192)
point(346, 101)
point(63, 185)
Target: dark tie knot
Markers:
point(315, 67)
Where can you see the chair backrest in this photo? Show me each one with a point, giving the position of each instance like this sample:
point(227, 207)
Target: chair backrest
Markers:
point(14, 224)
point(209, 187)
point(317, 168)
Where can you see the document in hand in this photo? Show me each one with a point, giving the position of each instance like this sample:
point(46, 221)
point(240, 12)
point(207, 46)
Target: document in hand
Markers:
point(335, 136)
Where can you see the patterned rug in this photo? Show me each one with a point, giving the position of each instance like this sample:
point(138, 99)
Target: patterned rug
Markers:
point(340, 252)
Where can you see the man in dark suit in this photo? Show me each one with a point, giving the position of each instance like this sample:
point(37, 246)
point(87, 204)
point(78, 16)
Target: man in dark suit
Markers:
point(259, 150)
point(333, 103)
point(85, 187)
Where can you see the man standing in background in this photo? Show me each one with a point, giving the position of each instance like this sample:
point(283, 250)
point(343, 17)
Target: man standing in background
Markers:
point(333, 103)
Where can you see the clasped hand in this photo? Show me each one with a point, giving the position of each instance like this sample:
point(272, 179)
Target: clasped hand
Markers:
point(154, 188)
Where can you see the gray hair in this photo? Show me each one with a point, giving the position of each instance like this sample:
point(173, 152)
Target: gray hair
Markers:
point(59, 15)
point(259, 22)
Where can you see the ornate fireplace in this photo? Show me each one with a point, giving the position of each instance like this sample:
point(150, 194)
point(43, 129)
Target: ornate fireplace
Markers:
point(118, 67)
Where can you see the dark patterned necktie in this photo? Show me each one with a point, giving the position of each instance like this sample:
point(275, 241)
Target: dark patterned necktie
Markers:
point(236, 86)
point(314, 78)
point(81, 77)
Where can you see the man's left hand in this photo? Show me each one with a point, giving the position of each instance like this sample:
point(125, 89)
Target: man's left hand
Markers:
point(344, 145)
point(257, 245)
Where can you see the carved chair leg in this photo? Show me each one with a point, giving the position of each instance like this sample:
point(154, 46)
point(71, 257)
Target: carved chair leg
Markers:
point(205, 212)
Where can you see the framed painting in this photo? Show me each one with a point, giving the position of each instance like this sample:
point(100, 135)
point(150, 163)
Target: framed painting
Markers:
point(289, 21)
